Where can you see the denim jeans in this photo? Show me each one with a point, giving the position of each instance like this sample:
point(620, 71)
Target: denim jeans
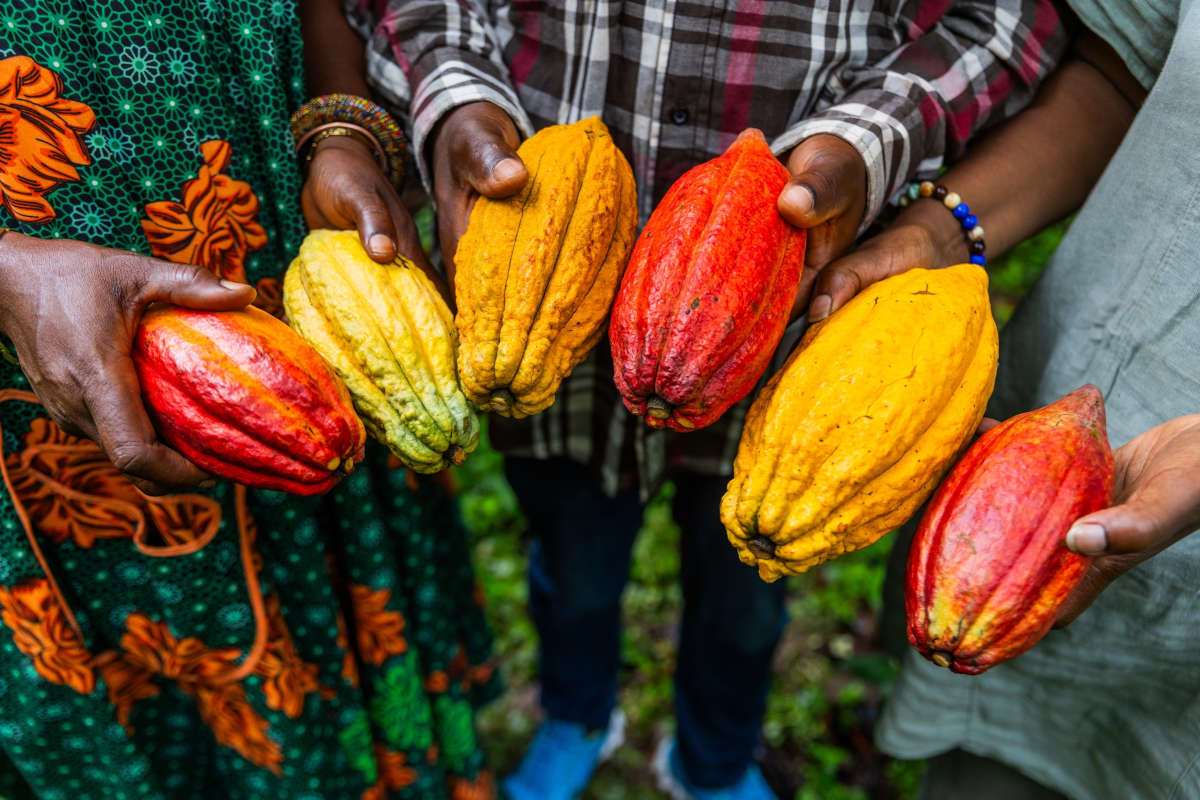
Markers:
point(579, 564)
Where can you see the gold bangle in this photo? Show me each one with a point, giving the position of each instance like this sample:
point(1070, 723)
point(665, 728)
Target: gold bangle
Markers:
point(307, 146)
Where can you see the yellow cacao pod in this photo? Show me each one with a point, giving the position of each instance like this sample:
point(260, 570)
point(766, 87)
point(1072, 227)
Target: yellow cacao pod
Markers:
point(537, 272)
point(853, 434)
point(389, 335)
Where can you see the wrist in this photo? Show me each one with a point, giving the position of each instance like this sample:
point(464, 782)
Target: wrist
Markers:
point(944, 235)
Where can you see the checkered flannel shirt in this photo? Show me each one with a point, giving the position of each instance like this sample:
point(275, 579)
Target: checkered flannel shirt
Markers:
point(906, 82)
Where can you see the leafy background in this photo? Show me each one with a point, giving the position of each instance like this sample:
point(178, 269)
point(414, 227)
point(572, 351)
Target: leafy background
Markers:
point(831, 672)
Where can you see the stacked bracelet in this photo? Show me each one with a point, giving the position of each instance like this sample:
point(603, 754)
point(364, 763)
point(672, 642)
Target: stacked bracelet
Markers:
point(356, 117)
point(960, 210)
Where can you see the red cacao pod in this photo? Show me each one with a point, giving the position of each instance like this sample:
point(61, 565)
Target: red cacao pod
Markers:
point(989, 567)
point(708, 289)
point(242, 396)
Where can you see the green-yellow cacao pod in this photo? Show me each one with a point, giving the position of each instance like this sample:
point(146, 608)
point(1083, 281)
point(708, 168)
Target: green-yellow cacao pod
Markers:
point(389, 335)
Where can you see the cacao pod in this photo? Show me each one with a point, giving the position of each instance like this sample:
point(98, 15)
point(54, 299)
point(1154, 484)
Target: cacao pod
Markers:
point(388, 333)
point(243, 397)
point(989, 567)
point(708, 290)
point(852, 435)
point(536, 272)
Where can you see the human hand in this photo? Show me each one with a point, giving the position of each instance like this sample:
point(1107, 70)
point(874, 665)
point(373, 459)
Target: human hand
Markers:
point(898, 249)
point(346, 189)
point(71, 310)
point(474, 153)
point(1156, 503)
point(827, 196)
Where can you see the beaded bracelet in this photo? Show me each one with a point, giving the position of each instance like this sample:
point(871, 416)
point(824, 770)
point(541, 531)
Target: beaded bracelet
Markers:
point(306, 147)
point(352, 111)
point(970, 223)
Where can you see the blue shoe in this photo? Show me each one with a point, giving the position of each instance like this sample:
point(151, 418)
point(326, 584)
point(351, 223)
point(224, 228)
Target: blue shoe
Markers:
point(668, 769)
point(561, 759)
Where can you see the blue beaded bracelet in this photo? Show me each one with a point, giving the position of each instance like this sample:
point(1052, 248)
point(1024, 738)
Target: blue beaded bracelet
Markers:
point(960, 210)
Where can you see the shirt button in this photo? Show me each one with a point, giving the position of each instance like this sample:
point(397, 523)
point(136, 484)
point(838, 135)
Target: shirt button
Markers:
point(679, 115)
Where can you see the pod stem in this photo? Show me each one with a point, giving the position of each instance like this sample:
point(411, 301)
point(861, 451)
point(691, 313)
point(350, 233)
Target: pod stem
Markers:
point(763, 546)
point(942, 659)
point(455, 455)
point(658, 408)
point(503, 401)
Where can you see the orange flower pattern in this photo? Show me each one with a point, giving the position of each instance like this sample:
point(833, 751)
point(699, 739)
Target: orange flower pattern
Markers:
point(378, 629)
point(394, 774)
point(482, 788)
point(349, 662)
point(215, 225)
point(70, 490)
point(270, 297)
point(41, 631)
point(127, 683)
point(287, 679)
point(40, 132)
point(202, 673)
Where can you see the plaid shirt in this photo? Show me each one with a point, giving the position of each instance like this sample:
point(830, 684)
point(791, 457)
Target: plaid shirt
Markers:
point(906, 82)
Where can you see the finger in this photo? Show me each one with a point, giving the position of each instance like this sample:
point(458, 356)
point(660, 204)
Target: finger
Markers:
point(1145, 523)
point(828, 175)
point(125, 433)
point(837, 283)
point(986, 424)
point(372, 217)
point(1094, 581)
point(183, 285)
point(488, 160)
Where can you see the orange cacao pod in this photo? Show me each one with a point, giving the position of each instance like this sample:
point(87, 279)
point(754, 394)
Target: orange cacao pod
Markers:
point(242, 396)
point(989, 567)
point(708, 289)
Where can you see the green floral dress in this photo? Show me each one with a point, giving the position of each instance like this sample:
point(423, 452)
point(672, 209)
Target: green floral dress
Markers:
point(229, 643)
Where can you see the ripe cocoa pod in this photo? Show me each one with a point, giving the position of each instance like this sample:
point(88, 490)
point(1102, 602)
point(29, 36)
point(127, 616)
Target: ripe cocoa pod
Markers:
point(989, 567)
point(853, 434)
point(708, 290)
point(536, 272)
point(240, 395)
point(387, 332)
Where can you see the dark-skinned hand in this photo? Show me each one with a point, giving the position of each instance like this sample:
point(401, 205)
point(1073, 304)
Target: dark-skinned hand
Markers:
point(71, 310)
point(1157, 503)
point(346, 190)
point(826, 196)
point(474, 153)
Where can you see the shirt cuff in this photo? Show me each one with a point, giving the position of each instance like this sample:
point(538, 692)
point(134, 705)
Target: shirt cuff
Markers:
point(455, 78)
point(874, 134)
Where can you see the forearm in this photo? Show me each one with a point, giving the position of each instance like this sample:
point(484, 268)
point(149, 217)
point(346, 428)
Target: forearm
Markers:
point(1040, 166)
point(334, 59)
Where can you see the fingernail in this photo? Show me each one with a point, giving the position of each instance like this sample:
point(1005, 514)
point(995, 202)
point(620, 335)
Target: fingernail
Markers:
point(233, 286)
point(507, 169)
point(801, 198)
point(380, 243)
point(1087, 539)
point(818, 309)
point(208, 484)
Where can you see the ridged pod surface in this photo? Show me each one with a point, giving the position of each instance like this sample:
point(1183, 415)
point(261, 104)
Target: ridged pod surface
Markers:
point(536, 273)
point(706, 297)
point(389, 335)
point(852, 435)
point(243, 397)
point(989, 567)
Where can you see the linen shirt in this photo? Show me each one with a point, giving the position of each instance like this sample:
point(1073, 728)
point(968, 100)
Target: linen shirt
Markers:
point(1108, 707)
point(906, 82)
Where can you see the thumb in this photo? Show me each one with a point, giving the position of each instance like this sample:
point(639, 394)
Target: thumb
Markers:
point(1136, 526)
point(186, 285)
point(373, 219)
point(496, 170)
point(819, 165)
